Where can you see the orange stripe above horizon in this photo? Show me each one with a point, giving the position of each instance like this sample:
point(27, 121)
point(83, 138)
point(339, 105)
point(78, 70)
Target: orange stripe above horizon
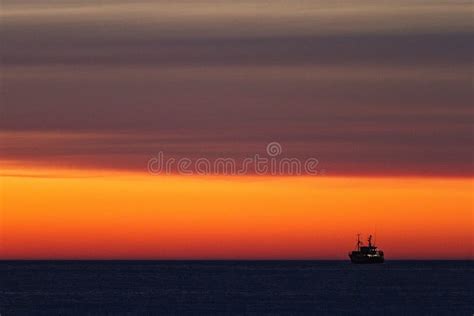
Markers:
point(87, 215)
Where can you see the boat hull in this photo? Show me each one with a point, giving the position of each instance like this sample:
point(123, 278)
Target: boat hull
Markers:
point(366, 259)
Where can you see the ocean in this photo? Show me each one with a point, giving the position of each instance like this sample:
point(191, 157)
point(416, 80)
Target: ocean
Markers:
point(235, 287)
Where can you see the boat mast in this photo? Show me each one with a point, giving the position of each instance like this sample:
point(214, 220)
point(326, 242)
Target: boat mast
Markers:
point(370, 240)
point(358, 242)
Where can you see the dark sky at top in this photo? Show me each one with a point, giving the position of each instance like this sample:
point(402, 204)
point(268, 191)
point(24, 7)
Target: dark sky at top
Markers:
point(367, 87)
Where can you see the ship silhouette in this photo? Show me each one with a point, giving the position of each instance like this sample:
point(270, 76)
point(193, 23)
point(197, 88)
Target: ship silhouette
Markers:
point(366, 254)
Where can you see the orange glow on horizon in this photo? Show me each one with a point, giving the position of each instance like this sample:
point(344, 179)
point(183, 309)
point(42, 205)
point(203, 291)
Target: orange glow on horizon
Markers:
point(103, 215)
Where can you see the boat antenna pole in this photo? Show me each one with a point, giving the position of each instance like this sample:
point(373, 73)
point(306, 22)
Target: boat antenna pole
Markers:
point(358, 242)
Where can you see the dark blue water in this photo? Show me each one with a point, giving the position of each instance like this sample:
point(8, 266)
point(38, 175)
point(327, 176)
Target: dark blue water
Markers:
point(236, 287)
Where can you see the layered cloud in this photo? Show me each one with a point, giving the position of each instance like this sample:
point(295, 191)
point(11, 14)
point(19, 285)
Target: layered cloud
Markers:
point(367, 87)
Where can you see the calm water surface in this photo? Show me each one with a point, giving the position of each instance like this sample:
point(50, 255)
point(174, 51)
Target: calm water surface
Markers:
point(236, 287)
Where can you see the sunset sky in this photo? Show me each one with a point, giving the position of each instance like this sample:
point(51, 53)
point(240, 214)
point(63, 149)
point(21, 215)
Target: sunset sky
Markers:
point(379, 92)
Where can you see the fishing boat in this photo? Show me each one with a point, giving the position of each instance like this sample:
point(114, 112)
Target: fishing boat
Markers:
point(366, 254)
